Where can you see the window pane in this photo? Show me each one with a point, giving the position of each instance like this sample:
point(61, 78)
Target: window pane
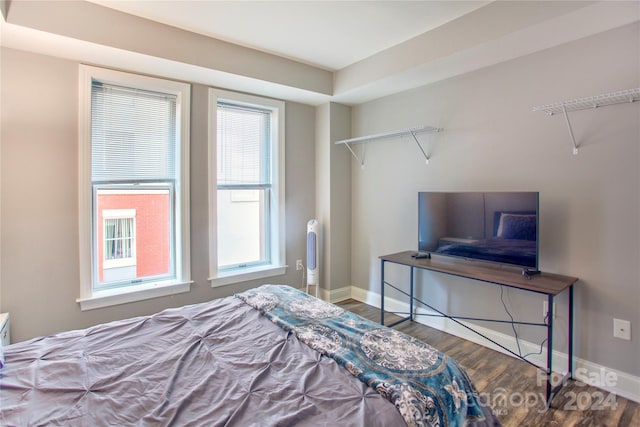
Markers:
point(243, 145)
point(241, 227)
point(130, 248)
point(118, 238)
point(133, 169)
point(247, 148)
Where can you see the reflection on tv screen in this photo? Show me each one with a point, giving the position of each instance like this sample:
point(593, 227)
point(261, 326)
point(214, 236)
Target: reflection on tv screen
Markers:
point(499, 227)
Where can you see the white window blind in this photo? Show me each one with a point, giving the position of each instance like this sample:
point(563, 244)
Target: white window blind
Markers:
point(133, 134)
point(243, 146)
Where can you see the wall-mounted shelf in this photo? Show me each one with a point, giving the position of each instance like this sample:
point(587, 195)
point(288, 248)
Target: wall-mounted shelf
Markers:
point(620, 97)
point(409, 131)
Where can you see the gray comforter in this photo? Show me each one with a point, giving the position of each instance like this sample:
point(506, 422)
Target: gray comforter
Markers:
point(216, 363)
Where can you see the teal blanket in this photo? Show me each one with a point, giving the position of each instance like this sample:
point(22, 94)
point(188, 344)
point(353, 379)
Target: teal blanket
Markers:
point(427, 387)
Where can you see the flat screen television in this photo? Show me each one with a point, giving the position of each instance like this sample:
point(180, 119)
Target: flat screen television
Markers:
point(499, 227)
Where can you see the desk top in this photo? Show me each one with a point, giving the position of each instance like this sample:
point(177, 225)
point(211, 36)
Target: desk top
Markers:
point(544, 283)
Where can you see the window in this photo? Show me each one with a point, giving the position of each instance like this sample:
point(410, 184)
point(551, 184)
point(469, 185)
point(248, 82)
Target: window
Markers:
point(134, 147)
point(119, 238)
point(246, 145)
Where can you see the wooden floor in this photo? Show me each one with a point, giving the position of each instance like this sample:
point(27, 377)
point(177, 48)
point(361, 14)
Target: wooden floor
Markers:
point(510, 385)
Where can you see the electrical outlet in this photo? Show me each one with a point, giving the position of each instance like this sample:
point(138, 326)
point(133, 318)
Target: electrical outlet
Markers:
point(622, 329)
point(298, 265)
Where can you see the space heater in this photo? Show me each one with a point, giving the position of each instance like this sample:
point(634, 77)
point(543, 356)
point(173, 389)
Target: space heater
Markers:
point(313, 267)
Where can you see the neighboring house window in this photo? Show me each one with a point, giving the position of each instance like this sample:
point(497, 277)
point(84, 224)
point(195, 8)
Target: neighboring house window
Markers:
point(134, 157)
point(247, 187)
point(119, 238)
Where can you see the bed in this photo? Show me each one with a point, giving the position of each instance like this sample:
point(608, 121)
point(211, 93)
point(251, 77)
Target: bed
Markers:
point(271, 356)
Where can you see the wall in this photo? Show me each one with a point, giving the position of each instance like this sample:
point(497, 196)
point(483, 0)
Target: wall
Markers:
point(589, 203)
point(39, 197)
point(340, 198)
point(216, 59)
point(333, 199)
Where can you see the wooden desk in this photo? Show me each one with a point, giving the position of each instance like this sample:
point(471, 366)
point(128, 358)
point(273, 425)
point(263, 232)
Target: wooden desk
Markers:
point(544, 283)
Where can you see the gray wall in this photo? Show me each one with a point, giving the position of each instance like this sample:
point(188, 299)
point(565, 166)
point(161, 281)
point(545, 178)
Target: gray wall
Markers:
point(589, 204)
point(39, 280)
point(333, 197)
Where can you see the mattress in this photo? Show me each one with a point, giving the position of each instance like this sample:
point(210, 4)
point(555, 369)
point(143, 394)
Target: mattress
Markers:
point(219, 363)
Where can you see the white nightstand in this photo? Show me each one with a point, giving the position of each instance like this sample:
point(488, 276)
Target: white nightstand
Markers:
point(5, 332)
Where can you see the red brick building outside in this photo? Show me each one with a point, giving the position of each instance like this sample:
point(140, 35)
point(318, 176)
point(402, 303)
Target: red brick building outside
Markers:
point(151, 233)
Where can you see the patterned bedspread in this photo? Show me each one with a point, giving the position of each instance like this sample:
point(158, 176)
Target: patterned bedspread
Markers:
point(427, 387)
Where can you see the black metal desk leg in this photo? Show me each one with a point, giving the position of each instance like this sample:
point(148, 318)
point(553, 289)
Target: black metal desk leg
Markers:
point(570, 367)
point(382, 292)
point(411, 297)
point(549, 347)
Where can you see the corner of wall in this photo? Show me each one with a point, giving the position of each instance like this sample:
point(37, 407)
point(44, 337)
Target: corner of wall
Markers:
point(333, 194)
point(4, 8)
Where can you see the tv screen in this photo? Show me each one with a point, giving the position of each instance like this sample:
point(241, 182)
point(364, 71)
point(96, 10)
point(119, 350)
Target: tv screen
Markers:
point(499, 227)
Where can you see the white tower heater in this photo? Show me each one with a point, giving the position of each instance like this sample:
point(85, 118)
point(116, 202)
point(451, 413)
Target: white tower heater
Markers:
point(313, 266)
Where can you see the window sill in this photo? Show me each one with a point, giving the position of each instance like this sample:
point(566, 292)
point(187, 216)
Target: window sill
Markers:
point(244, 275)
point(117, 296)
point(118, 263)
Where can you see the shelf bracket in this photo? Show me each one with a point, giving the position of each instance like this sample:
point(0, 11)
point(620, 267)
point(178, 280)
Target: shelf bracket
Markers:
point(573, 138)
point(415, 138)
point(355, 156)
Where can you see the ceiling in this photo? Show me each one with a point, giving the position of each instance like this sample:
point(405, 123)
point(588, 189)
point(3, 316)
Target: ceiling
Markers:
point(327, 34)
point(305, 51)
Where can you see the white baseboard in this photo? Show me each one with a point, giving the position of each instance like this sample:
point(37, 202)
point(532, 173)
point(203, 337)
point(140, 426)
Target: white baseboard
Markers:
point(334, 295)
point(340, 294)
point(624, 384)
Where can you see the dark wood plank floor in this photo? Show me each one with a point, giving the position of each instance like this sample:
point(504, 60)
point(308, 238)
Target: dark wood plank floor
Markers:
point(510, 385)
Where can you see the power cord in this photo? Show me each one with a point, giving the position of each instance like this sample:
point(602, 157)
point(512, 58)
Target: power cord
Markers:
point(515, 332)
point(304, 270)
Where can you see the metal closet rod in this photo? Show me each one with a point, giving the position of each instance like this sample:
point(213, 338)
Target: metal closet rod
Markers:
point(408, 131)
point(619, 97)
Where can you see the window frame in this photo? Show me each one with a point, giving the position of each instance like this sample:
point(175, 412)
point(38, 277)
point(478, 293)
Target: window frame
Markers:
point(276, 228)
point(91, 298)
